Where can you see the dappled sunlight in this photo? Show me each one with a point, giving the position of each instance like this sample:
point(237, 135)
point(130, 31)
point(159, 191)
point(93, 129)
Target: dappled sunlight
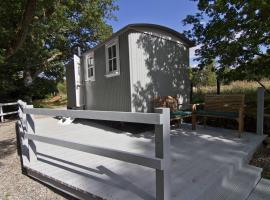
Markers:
point(166, 65)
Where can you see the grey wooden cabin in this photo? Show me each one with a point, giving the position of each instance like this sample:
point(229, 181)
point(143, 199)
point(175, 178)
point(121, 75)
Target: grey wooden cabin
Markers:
point(126, 72)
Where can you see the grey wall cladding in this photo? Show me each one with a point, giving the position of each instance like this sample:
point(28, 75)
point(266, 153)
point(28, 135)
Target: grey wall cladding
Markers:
point(71, 96)
point(159, 67)
point(112, 94)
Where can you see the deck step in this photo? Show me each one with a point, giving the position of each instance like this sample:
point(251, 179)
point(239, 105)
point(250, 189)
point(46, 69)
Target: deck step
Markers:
point(262, 191)
point(237, 186)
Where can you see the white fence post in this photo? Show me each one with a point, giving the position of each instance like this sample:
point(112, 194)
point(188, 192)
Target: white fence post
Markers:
point(162, 149)
point(260, 110)
point(31, 130)
point(1, 113)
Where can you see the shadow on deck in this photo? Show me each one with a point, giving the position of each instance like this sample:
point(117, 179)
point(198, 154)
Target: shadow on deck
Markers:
point(208, 163)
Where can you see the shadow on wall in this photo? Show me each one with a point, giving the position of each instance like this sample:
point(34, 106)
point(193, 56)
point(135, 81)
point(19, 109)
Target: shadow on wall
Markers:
point(166, 64)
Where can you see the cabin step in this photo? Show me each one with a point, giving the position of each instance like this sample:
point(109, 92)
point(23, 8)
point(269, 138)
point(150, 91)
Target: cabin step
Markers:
point(237, 186)
point(261, 191)
point(198, 177)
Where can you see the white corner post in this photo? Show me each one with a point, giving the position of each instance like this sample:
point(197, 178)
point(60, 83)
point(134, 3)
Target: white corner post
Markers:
point(1, 113)
point(28, 127)
point(22, 116)
point(31, 130)
point(162, 150)
point(260, 110)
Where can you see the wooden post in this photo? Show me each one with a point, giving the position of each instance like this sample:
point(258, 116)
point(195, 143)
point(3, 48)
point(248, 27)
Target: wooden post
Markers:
point(1, 113)
point(162, 149)
point(22, 116)
point(28, 127)
point(191, 92)
point(218, 86)
point(260, 110)
point(31, 130)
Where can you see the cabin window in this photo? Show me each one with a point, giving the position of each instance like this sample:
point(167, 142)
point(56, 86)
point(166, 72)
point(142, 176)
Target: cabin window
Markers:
point(112, 58)
point(91, 68)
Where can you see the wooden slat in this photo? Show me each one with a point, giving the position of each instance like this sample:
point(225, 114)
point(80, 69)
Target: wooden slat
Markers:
point(146, 161)
point(146, 118)
point(224, 103)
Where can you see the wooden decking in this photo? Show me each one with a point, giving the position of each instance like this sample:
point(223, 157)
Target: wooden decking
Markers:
point(208, 163)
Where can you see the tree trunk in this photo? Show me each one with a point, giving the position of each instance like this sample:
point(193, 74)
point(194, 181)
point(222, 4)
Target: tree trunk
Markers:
point(28, 81)
point(23, 28)
point(191, 92)
point(218, 86)
point(261, 84)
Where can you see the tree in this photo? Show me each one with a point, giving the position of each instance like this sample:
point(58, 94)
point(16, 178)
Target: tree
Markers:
point(38, 37)
point(236, 34)
point(204, 77)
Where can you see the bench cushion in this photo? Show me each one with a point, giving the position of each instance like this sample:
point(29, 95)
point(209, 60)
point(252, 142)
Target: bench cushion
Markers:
point(218, 113)
point(180, 113)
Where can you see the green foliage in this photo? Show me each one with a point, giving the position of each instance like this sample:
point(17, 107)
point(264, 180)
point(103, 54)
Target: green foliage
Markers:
point(62, 88)
point(236, 34)
point(204, 77)
point(42, 87)
point(38, 37)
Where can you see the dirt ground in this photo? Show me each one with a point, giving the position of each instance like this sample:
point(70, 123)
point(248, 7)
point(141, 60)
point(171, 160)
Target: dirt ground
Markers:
point(13, 184)
point(262, 159)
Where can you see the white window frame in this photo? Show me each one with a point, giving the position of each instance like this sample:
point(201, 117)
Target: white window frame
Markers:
point(116, 72)
point(88, 66)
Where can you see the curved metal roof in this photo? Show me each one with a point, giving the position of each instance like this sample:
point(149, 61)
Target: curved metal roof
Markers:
point(176, 34)
point(163, 28)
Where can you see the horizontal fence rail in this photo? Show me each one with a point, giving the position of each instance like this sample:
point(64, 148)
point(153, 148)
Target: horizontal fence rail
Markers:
point(2, 114)
point(161, 162)
point(146, 118)
point(150, 162)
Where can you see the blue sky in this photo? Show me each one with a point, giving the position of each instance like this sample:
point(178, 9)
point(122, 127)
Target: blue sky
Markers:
point(169, 13)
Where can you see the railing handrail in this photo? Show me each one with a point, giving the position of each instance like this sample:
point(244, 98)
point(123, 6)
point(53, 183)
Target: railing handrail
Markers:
point(9, 104)
point(161, 161)
point(2, 114)
point(146, 161)
point(147, 118)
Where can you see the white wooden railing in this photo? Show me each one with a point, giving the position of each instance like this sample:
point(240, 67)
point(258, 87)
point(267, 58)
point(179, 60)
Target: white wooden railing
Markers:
point(2, 114)
point(161, 119)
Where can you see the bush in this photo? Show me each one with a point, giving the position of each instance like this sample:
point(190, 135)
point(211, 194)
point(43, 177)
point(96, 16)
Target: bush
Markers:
point(62, 89)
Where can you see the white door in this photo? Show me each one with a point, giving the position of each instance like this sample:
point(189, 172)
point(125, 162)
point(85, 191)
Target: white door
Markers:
point(78, 81)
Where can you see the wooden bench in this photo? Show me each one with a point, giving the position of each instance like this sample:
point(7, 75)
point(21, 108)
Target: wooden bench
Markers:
point(176, 114)
point(221, 106)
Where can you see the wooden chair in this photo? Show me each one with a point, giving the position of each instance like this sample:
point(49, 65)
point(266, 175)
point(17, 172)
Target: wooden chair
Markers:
point(176, 114)
point(221, 106)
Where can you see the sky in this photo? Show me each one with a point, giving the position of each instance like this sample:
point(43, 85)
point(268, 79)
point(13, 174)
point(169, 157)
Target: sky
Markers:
point(168, 13)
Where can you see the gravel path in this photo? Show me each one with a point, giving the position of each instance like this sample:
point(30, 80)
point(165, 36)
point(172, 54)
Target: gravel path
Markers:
point(13, 184)
point(262, 159)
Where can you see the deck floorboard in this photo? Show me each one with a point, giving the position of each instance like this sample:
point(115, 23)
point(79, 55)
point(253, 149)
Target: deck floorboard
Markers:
point(199, 158)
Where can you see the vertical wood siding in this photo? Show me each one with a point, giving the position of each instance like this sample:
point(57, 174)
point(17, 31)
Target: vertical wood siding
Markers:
point(112, 94)
point(158, 67)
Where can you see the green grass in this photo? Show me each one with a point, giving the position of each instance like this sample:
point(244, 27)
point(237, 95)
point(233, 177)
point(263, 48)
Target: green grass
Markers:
point(49, 103)
point(60, 100)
